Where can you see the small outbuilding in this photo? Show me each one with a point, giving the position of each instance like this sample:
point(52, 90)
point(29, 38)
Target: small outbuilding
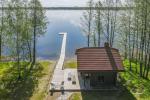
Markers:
point(98, 66)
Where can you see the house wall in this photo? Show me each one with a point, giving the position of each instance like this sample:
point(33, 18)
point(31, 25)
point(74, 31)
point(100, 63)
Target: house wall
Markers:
point(101, 78)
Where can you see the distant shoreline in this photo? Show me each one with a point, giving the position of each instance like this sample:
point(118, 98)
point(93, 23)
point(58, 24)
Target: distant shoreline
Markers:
point(43, 59)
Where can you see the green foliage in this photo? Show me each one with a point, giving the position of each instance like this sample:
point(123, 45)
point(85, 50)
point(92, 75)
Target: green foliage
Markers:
point(17, 27)
point(139, 86)
point(28, 86)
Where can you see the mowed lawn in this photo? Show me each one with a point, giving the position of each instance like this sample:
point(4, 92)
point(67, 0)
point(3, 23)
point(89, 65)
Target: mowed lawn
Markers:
point(33, 85)
point(70, 64)
point(132, 87)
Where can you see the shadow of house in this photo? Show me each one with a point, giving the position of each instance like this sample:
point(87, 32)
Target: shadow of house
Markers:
point(122, 94)
point(98, 67)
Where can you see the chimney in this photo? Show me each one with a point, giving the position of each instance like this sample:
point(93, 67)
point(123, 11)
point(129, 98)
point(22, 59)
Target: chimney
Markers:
point(106, 45)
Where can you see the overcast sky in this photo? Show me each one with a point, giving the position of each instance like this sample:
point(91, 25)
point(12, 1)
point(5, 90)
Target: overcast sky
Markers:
point(53, 3)
point(67, 3)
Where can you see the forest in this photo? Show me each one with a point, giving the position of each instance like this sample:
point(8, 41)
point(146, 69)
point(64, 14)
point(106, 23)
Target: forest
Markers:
point(127, 30)
point(19, 31)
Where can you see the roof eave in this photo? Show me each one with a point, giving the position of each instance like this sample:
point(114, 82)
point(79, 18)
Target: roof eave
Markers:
point(100, 70)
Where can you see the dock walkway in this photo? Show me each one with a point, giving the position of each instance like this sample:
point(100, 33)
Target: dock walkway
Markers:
point(58, 76)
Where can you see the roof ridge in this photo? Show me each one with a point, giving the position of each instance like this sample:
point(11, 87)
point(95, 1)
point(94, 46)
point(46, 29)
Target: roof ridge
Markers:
point(94, 48)
point(111, 58)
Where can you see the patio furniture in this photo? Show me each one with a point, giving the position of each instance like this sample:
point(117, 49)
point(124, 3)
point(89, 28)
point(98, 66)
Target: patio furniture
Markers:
point(52, 86)
point(73, 79)
point(69, 76)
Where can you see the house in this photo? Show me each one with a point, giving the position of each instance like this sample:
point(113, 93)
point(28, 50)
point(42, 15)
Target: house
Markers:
point(98, 66)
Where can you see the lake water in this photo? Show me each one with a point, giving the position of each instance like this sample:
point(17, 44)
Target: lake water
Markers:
point(49, 45)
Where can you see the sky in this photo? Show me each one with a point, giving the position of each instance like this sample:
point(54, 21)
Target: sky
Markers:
point(67, 3)
point(54, 3)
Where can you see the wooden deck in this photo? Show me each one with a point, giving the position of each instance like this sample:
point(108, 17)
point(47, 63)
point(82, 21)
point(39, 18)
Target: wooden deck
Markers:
point(58, 76)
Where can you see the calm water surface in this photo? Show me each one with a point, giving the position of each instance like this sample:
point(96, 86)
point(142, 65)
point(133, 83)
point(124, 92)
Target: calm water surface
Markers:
point(49, 45)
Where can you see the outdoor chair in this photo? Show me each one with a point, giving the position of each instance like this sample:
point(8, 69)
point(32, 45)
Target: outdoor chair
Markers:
point(73, 80)
point(69, 76)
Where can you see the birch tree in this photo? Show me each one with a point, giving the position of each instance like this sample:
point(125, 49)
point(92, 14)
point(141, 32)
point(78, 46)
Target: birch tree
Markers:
point(87, 22)
point(39, 23)
point(98, 21)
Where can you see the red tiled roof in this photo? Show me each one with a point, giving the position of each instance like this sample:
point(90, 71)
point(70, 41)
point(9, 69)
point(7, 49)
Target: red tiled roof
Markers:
point(99, 59)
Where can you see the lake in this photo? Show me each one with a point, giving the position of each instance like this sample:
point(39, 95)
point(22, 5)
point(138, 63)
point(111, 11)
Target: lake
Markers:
point(49, 45)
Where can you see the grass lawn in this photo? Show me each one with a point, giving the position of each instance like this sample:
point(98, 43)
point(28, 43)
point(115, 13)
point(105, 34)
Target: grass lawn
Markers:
point(70, 64)
point(138, 86)
point(32, 86)
point(109, 95)
point(132, 88)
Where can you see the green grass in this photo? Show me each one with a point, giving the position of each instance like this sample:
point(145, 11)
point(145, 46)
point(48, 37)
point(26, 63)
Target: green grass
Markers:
point(75, 96)
point(138, 86)
point(109, 95)
point(32, 85)
point(133, 87)
point(41, 91)
point(70, 64)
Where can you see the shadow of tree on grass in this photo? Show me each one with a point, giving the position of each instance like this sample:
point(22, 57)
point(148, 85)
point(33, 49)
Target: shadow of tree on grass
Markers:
point(13, 89)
